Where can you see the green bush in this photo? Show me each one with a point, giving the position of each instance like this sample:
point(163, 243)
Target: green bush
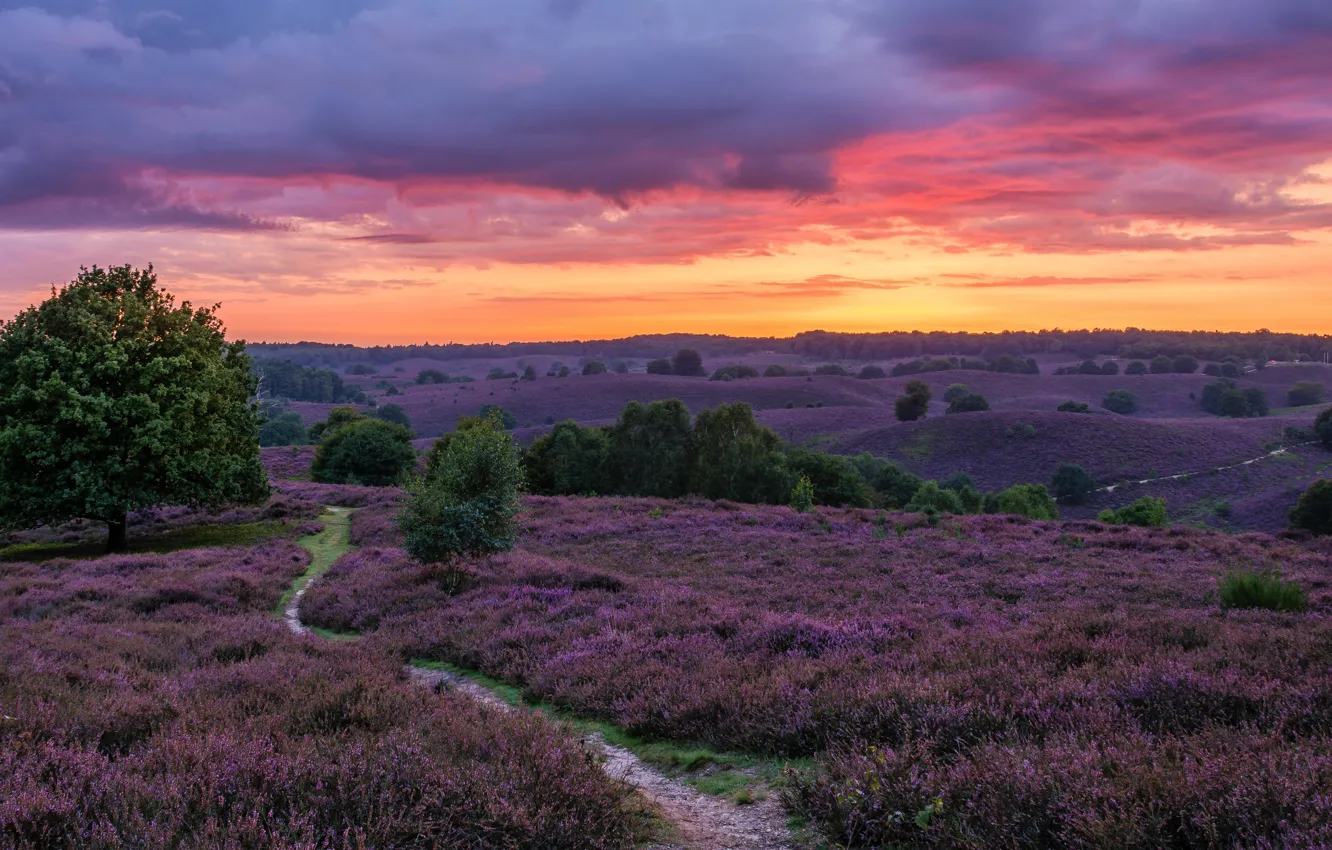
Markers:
point(1244, 589)
point(955, 392)
point(660, 366)
point(395, 414)
point(364, 451)
point(1137, 367)
point(467, 503)
point(1072, 484)
point(896, 487)
point(1161, 365)
point(431, 376)
point(1109, 367)
point(285, 429)
point(688, 362)
point(1184, 365)
point(915, 403)
point(1149, 511)
point(871, 373)
point(1305, 393)
point(775, 371)
point(571, 459)
point(1323, 427)
point(506, 419)
point(594, 367)
point(802, 496)
point(1313, 511)
point(834, 478)
point(1122, 402)
point(1029, 500)
point(731, 373)
point(1074, 407)
point(931, 498)
point(969, 403)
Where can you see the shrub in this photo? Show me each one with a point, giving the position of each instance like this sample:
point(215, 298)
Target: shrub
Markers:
point(1305, 393)
point(1184, 365)
point(1089, 367)
point(871, 373)
point(1074, 407)
point(1212, 370)
point(1072, 484)
point(661, 366)
point(688, 362)
point(365, 451)
point(1137, 367)
point(957, 481)
point(498, 374)
point(1313, 511)
point(1211, 395)
point(931, 498)
point(834, 478)
point(1122, 402)
point(1149, 511)
point(969, 403)
point(915, 403)
point(395, 414)
point(570, 460)
point(1257, 400)
point(1029, 500)
point(467, 503)
point(506, 419)
point(529, 373)
point(954, 392)
point(337, 417)
point(1230, 370)
point(1234, 404)
point(1024, 430)
point(1161, 365)
point(431, 376)
point(1245, 589)
point(802, 496)
point(594, 367)
point(620, 367)
point(285, 429)
point(733, 457)
point(896, 487)
point(831, 369)
point(731, 373)
point(775, 371)
point(1323, 427)
point(1109, 367)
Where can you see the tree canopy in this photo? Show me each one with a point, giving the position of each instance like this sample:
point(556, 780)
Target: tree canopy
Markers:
point(114, 398)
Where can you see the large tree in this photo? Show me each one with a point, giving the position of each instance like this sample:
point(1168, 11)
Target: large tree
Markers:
point(114, 398)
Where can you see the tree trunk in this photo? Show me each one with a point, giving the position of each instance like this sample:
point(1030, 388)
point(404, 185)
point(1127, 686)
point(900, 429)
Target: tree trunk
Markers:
point(115, 536)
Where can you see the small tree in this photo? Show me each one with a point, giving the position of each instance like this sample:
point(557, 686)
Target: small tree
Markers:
point(1029, 500)
point(530, 373)
point(1089, 367)
point(1149, 511)
point(688, 362)
point(1074, 407)
point(955, 392)
point(1137, 367)
point(1161, 365)
point(1122, 402)
point(1072, 484)
point(1109, 367)
point(896, 487)
point(431, 376)
point(506, 419)
point(395, 414)
point(969, 403)
point(661, 366)
point(114, 398)
point(1184, 365)
point(1305, 393)
point(594, 367)
point(775, 371)
point(1313, 511)
point(1323, 427)
point(871, 373)
point(284, 429)
point(915, 403)
point(366, 451)
point(802, 496)
point(931, 498)
point(467, 504)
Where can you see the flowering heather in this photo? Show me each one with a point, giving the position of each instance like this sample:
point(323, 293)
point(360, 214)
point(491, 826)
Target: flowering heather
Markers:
point(150, 701)
point(1052, 684)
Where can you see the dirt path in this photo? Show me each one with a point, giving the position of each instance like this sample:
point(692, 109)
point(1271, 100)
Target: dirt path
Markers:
point(702, 822)
point(1277, 453)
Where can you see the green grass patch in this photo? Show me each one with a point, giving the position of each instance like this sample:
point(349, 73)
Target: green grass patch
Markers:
point(742, 777)
point(1244, 589)
point(1311, 409)
point(195, 537)
point(324, 548)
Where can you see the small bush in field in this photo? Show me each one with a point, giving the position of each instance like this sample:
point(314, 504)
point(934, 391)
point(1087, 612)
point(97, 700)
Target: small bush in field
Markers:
point(366, 451)
point(1122, 402)
point(1137, 367)
point(1244, 589)
point(955, 392)
point(660, 366)
point(1323, 427)
point(1313, 512)
point(969, 403)
point(775, 371)
point(594, 367)
point(1029, 500)
point(802, 495)
point(871, 373)
point(930, 497)
point(1305, 393)
point(1072, 484)
point(1149, 511)
point(914, 403)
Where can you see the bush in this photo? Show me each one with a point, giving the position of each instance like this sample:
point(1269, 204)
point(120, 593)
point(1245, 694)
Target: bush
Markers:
point(831, 369)
point(915, 403)
point(1109, 367)
point(969, 403)
point(896, 487)
point(1212, 370)
point(1313, 511)
point(1137, 367)
point(1149, 511)
point(731, 373)
point(620, 367)
point(1074, 407)
point(1122, 402)
point(1161, 365)
point(1072, 484)
point(775, 371)
point(1029, 500)
point(954, 392)
point(1323, 427)
point(660, 366)
point(506, 419)
point(431, 376)
point(498, 374)
point(871, 373)
point(395, 414)
point(1025, 430)
point(834, 478)
point(1305, 393)
point(530, 373)
point(1089, 367)
point(467, 503)
point(594, 367)
point(1244, 589)
point(733, 457)
point(931, 498)
point(1230, 370)
point(688, 362)
point(285, 429)
point(1211, 395)
point(1184, 365)
point(957, 481)
point(802, 496)
point(365, 451)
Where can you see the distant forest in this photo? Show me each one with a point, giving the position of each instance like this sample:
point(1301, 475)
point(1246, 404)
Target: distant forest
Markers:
point(824, 345)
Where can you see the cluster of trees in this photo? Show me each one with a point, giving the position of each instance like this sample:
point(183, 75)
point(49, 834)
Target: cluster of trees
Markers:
point(1090, 367)
point(1122, 402)
point(1223, 398)
point(914, 403)
point(1071, 406)
point(1002, 363)
point(1149, 511)
point(435, 376)
point(285, 379)
point(1305, 393)
point(686, 362)
point(358, 449)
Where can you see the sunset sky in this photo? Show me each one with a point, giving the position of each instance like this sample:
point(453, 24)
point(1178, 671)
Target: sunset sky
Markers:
point(473, 170)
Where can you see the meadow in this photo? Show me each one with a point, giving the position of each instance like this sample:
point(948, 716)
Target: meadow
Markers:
point(979, 682)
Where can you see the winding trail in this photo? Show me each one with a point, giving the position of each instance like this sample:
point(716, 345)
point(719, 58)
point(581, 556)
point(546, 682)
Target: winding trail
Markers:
point(701, 822)
point(1281, 451)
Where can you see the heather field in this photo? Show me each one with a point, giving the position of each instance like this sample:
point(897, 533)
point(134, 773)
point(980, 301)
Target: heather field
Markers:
point(983, 682)
point(156, 701)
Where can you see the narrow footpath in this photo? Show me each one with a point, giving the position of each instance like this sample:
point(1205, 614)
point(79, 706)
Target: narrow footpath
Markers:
point(702, 822)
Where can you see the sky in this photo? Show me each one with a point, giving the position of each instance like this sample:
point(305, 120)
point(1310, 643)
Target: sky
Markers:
point(496, 170)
